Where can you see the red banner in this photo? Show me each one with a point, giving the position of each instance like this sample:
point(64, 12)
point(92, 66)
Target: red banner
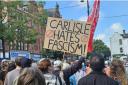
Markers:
point(93, 19)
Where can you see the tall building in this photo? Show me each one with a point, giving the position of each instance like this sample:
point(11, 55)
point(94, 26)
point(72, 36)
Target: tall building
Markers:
point(53, 12)
point(119, 44)
point(37, 47)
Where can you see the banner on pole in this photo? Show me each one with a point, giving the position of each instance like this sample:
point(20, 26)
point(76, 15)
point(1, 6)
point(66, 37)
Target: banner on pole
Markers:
point(93, 19)
point(67, 36)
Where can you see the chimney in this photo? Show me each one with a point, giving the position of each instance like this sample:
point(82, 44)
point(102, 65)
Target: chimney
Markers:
point(123, 31)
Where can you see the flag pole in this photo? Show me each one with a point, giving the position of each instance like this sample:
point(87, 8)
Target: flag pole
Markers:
point(88, 7)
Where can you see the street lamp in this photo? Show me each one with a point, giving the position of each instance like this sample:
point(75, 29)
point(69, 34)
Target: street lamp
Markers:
point(82, 1)
point(87, 6)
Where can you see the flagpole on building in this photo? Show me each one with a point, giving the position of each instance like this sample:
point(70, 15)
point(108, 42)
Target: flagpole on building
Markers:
point(88, 7)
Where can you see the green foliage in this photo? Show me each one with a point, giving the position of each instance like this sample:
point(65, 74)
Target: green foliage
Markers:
point(30, 37)
point(44, 52)
point(41, 3)
point(16, 26)
point(58, 54)
point(100, 47)
point(52, 54)
point(9, 35)
point(5, 31)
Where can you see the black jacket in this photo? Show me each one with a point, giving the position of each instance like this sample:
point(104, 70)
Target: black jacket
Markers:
point(73, 69)
point(97, 78)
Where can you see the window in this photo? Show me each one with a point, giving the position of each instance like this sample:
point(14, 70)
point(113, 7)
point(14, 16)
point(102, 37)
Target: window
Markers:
point(121, 49)
point(120, 41)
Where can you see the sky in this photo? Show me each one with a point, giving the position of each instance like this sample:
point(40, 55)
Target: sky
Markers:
point(113, 15)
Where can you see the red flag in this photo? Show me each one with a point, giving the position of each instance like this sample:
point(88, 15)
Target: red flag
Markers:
point(93, 18)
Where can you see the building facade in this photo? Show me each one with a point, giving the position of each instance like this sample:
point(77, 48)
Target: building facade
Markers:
point(53, 12)
point(119, 44)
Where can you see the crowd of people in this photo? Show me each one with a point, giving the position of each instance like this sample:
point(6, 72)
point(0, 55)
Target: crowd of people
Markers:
point(24, 71)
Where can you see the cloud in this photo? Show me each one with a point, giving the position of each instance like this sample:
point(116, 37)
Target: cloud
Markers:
point(83, 18)
point(100, 37)
point(104, 38)
point(117, 27)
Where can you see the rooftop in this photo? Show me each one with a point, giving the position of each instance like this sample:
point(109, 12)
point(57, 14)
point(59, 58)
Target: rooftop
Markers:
point(54, 12)
point(124, 35)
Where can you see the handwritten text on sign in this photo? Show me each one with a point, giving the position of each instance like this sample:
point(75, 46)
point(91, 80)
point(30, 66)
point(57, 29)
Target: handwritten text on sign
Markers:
point(67, 36)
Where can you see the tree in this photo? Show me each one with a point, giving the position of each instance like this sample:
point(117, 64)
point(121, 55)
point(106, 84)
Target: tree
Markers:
point(100, 47)
point(5, 7)
point(30, 37)
point(16, 29)
point(52, 54)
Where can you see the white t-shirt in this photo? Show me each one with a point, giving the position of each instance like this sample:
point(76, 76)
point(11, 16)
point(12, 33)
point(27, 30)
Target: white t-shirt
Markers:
point(51, 79)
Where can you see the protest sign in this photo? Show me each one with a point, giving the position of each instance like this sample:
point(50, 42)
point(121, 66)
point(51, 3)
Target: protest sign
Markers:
point(67, 36)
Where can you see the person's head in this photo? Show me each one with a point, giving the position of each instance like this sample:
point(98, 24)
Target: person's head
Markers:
point(25, 62)
point(88, 68)
point(44, 65)
point(107, 70)
point(18, 61)
point(4, 66)
point(11, 66)
point(77, 65)
point(57, 65)
point(97, 62)
point(117, 71)
point(31, 76)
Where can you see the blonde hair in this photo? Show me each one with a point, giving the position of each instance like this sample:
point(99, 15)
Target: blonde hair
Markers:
point(117, 71)
point(31, 76)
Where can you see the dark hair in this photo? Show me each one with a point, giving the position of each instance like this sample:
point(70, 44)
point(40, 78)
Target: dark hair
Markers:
point(25, 62)
point(97, 62)
point(11, 66)
point(18, 61)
